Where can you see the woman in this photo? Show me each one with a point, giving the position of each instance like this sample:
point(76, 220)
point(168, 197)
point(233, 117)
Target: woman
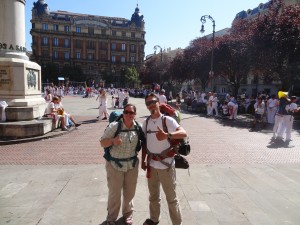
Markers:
point(121, 165)
point(102, 105)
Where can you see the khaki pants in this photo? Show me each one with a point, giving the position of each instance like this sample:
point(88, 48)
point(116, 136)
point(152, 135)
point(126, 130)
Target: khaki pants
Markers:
point(167, 178)
point(116, 182)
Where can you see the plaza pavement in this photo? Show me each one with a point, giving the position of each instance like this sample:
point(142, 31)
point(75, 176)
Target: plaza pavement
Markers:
point(236, 177)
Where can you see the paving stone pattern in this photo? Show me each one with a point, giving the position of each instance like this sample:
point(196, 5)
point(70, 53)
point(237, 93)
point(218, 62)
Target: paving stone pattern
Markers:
point(236, 177)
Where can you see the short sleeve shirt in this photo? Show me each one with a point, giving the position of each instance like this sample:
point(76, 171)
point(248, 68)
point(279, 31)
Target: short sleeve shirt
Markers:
point(126, 149)
point(156, 146)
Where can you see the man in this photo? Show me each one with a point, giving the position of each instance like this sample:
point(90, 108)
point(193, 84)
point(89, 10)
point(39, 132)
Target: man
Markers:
point(282, 117)
point(160, 168)
point(162, 98)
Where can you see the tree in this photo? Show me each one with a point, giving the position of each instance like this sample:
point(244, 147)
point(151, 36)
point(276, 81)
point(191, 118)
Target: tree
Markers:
point(74, 73)
point(50, 72)
point(132, 76)
point(276, 42)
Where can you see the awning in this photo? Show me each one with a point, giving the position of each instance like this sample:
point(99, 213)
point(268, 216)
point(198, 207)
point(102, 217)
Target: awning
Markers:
point(61, 78)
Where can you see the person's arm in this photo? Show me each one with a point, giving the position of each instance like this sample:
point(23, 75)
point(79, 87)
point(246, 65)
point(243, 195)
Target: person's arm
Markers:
point(111, 141)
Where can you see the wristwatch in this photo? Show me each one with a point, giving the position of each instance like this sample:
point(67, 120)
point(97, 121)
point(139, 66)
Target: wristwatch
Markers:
point(169, 136)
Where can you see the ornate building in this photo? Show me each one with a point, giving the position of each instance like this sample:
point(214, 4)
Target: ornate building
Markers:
point(102, 46)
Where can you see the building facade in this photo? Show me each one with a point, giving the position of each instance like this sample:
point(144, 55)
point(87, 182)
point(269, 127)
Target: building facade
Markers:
point(103, 47)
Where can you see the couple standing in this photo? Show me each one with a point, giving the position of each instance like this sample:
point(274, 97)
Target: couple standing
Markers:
point(122, 169)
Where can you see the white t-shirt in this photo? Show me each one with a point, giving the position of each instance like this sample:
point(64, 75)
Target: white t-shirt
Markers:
point(162, 99)
point(156, 146)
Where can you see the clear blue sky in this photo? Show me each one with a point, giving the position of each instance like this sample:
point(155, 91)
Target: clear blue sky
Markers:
point(168, 23)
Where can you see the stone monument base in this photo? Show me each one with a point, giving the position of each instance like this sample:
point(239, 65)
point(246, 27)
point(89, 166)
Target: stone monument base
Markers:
point(25, 129)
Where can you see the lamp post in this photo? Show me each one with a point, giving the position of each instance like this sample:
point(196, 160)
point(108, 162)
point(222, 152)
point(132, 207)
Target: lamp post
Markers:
point(203, 21)
point(155, 48)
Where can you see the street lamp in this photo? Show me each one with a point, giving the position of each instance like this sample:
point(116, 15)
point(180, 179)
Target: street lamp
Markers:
point(155, 48)
point(203, 21)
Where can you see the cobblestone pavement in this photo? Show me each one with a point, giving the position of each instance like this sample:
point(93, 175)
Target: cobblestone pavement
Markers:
point(213, 141)
point(236, 177)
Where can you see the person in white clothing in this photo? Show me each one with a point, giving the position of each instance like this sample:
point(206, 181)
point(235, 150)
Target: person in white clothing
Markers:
point(292, 108)
point(161, 97)
point(215, 104)
point(209, 104)
point(160, 167)
point(260, 109)
point(102, 105)
point(121, 98)
point(272, 105)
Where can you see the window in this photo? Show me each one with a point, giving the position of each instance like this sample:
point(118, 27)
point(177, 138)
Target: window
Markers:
point(66, 42)
point(55, 41)
point(113, 59)
point(55, 54)
point(132, 48)
point(55, 27)
point(123, 59)
point(142, 48)
point(123, 34)
point(132, 34)
point(45, 40)
point(114, 33)
point(67, 55)
point(33, 25)
point(67, 28)
point(143, 36)
point(78, 29)
point(113, 46)
point(103, 57)
point(123, 47)
point(103, 31)
point(45, 26)
point(91, 30)
point(78, 43)
point(132, 59)
point(90, 44)
point(77, 55)
point(90, 56)
point(45, 53)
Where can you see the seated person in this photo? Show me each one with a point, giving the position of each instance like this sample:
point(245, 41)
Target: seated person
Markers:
point(67, 116)
point(54, 112)
point(259, 107)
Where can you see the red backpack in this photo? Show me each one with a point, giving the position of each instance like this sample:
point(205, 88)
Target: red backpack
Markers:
point(170, 111)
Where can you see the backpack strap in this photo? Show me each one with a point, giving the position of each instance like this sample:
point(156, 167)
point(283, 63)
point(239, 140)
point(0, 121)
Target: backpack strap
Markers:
point(107, 154)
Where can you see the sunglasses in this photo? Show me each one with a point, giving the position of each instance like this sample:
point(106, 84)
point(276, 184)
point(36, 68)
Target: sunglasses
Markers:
point(128, 112)
point(151, 102)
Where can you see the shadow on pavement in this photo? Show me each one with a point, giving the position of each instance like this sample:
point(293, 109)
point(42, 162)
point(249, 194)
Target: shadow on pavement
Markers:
point(89, 121)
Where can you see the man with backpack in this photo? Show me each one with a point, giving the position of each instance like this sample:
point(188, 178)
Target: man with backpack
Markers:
point(121, 141)
point(160, 130)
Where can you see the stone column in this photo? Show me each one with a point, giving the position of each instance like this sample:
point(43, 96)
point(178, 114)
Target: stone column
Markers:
point(20, 79)
point(12, 29)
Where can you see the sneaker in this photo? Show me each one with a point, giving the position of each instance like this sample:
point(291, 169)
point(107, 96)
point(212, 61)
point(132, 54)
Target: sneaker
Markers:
point(64, 129)
point(104, 118)
point(97, 117)
point(77, 124)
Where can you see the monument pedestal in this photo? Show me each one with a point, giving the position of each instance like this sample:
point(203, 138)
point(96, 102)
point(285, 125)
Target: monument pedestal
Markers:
point(20, 87)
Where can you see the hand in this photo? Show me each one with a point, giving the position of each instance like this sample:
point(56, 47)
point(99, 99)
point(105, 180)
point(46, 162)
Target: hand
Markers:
point(117, 140)
point(161, 135)
point(143, 165)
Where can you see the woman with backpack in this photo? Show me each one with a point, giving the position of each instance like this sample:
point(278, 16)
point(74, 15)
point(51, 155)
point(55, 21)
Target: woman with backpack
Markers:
point(122, 141)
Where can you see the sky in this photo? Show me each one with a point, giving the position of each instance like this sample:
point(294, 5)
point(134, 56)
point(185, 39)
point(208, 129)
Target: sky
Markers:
point(168, 23)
